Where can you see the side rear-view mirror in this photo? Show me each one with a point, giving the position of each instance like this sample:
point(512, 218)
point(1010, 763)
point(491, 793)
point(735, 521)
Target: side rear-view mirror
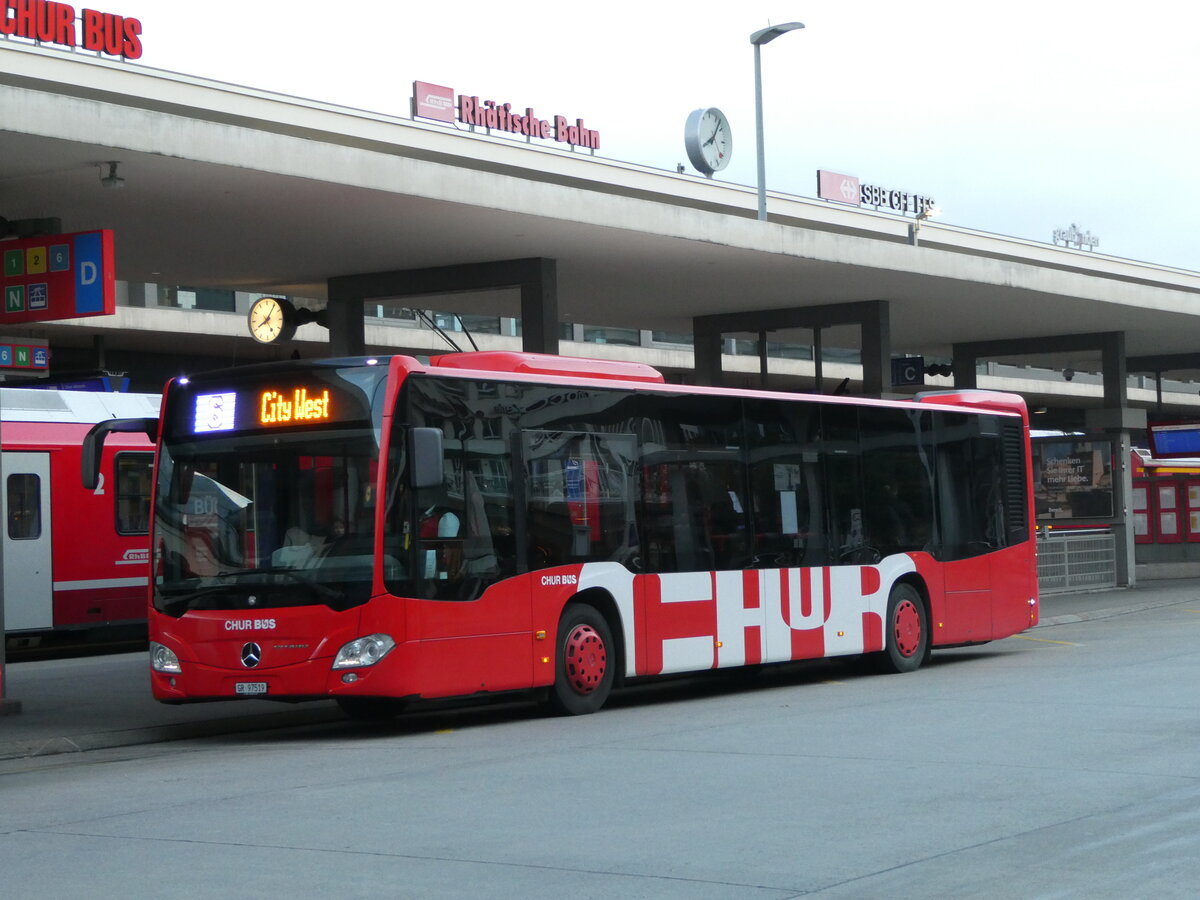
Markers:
point(93, 444)
point(425, 456)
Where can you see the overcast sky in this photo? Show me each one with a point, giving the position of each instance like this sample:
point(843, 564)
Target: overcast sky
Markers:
point(1017, 118)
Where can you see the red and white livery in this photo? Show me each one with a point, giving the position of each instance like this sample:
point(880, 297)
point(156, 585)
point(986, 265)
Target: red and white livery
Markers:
point(382, 530)
point(73, 558)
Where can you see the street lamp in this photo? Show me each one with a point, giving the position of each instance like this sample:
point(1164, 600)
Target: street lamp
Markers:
point(923, 216)
point(758, 39)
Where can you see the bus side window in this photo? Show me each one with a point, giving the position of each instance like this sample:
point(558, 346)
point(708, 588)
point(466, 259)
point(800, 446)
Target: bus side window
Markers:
point(580, 497)
point(842, 454)
point(898, 483)
point(695, 503)
point(132, 493)
point(785, 485)
point(970, 492)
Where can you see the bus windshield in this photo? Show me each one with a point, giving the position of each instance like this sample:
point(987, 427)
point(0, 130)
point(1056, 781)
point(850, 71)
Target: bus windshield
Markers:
point(265, 489)
point(281, 520)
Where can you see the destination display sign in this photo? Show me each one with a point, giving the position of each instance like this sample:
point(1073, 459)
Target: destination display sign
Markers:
point(292, 406)
point(59, 276)
point(281, 408)
point(216, 407)
point(1175, 439)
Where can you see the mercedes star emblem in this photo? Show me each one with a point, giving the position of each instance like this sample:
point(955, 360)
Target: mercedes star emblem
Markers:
point(251, 655)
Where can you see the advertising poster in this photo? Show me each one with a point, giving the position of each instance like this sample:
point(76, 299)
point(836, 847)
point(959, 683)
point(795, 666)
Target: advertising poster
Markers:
point(1072, 479)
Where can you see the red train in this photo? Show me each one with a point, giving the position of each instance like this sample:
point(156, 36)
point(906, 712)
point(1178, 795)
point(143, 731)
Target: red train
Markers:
point(74, 560)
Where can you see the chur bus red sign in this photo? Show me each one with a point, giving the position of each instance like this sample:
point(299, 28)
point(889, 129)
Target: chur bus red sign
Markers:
point(435, 101)
point(49, 22)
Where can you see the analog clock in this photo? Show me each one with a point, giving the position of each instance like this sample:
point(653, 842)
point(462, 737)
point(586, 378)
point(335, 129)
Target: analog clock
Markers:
point(272, 320)
point(708, 140)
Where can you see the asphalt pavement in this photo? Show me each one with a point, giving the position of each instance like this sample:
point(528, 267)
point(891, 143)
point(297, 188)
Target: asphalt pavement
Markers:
point(97, 702)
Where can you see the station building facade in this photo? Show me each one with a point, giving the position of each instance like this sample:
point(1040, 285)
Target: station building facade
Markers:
point(408, 234)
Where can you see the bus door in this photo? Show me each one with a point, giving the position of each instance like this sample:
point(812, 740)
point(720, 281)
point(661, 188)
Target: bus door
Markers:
point(27, 570)
point(971, 523)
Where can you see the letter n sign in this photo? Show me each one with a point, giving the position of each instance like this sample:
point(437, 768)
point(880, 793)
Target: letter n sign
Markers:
point(59, 276)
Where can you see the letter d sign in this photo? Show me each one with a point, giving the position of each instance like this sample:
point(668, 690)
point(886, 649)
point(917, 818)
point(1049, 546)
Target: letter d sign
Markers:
point(90, 274)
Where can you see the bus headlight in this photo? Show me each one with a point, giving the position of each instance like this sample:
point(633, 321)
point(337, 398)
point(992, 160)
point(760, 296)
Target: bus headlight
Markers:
point(365, 651)
point(163, 659)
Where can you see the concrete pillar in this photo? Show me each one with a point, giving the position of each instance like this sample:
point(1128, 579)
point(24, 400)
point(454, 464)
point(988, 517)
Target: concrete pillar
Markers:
point(539, 308)
point(347, 329)
point(536, 277)
point(876, 349)
point(872, 317)
point(707, 350)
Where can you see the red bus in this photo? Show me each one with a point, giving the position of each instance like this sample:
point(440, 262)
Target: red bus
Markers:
point(377, 531)
point(74, 559)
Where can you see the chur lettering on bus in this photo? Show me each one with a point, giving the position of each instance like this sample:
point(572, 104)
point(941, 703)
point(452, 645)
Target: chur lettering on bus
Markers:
point(705, 620)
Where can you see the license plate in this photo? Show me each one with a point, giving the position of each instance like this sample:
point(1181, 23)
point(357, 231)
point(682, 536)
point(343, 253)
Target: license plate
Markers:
point(251, 688)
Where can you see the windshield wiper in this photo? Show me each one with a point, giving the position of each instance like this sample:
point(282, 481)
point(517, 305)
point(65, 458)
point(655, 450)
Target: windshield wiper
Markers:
point(321, 590)
point(173, 602)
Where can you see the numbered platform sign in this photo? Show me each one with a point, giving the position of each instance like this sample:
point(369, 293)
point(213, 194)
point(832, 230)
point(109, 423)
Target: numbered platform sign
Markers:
point(59, 276)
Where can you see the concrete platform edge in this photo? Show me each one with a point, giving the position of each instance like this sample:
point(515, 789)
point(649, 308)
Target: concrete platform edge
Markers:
point(129, 737)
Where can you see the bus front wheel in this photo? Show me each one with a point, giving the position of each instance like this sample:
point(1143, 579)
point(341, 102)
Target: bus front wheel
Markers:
point(585, 665)
point(906, 631)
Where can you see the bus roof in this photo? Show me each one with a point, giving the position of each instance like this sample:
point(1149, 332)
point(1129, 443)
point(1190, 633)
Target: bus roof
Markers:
point(539, 365)
point(548, 364)
point(527, 367)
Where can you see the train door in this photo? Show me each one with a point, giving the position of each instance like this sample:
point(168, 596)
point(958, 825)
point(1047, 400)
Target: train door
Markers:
point(27, 573)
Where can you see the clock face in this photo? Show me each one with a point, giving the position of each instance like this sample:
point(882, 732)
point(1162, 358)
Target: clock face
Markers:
point(715, 139)
point(270, 320)
point(709, 140)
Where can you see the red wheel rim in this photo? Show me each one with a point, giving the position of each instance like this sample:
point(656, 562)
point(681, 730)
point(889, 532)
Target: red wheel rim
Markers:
point(586, 659)
point(907, 627)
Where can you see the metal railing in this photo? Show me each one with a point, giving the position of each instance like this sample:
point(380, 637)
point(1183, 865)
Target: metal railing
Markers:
point(1077, 561)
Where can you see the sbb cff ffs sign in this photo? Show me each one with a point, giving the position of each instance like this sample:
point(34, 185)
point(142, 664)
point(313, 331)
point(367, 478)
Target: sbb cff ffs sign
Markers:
point(59, 276)
point(848, 189)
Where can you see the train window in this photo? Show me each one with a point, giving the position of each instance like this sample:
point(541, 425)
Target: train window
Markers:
point(133, 492)
point(24, 507)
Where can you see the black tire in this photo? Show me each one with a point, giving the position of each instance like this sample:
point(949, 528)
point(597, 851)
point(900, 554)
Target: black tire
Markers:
point(905, 632)
point(371, 709)
point(585, 664)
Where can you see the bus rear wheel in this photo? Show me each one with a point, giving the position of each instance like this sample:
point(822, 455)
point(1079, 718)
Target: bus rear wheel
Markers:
point(906, 631)
point(584, 668)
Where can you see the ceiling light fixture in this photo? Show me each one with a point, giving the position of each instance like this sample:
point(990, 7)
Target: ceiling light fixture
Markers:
point(112, 179)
